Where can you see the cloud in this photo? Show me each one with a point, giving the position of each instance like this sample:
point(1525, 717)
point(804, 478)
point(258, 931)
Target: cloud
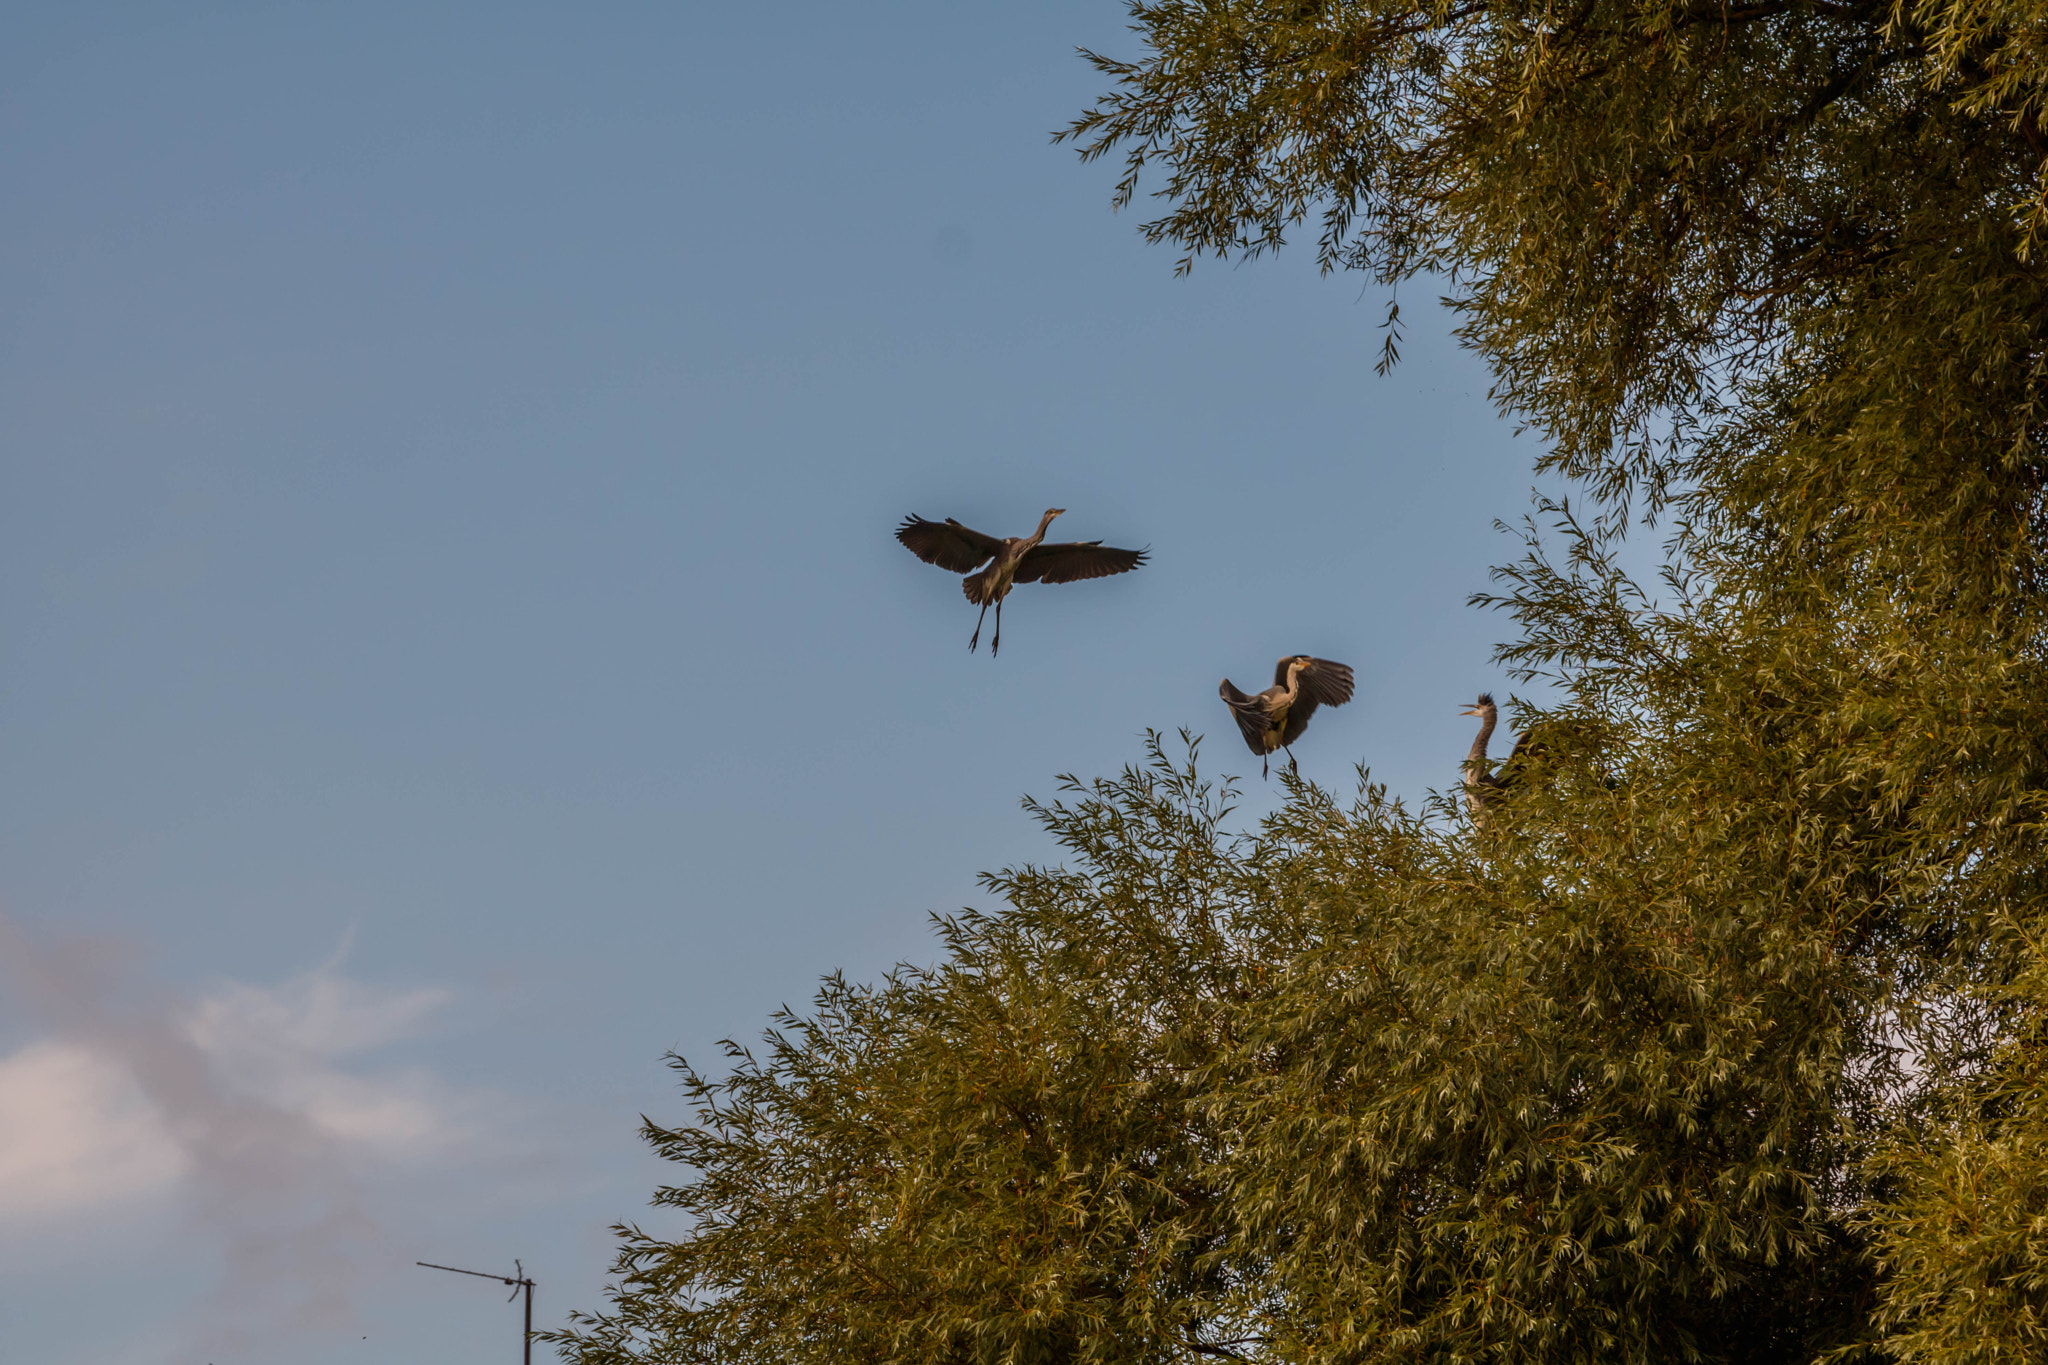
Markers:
point(77, 1133)
point(250, 1106)
point(282, 1045)
point(109, 1116)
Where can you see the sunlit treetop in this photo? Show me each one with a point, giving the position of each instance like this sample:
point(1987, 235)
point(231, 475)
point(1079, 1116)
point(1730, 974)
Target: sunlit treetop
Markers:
point(1641, 206)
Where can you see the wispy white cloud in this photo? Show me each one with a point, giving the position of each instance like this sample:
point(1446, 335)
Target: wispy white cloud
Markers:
point(259, 1109)
point(80, 1127)
point(288, 1046)
point(77, 1134)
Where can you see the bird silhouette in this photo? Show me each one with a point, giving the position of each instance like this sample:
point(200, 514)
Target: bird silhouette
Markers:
point(1010, 560)
point(1274, 719)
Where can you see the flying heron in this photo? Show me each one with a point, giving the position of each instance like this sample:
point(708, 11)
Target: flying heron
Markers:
point(1483, 788)
point(1011, 560)
point(1275, 718)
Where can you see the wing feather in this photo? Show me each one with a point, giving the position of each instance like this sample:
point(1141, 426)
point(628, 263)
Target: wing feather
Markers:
point(1328, 682)
point(1073, 560)
point(1297, 717)
point(948, 544)
point(1251, 719)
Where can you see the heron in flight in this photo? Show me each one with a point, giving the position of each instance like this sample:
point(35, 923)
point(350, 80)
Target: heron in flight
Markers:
point(1010, 560)
point(1275, 718)
point(1483, 788)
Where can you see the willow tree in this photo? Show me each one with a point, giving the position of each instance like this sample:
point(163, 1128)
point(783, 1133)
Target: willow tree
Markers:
point(1002, 1157)
point(1720, 1040)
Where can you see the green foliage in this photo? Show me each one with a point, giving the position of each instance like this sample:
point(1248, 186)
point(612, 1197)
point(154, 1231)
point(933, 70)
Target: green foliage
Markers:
point(997, 1159)
point(1359, 1087)
point(1721, 1039)
point(1965, 1238)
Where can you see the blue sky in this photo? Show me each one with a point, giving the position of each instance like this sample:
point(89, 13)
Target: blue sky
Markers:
point(452, 648)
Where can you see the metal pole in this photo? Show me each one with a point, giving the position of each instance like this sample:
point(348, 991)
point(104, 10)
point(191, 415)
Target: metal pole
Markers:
point(520, 1280)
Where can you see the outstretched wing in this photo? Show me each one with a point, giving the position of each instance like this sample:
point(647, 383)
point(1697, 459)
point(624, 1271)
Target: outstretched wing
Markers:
point(1329, 683)
point(1322, 683)
point(1072, 560)
point(947, 543)
point(1248, 715)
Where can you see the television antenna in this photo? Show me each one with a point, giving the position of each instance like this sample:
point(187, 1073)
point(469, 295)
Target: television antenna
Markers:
point(519, 1280)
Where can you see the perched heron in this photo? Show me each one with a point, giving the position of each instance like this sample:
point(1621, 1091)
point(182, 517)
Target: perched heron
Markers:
point(1483, 788)
point(1010, 560)
point(1275, 718)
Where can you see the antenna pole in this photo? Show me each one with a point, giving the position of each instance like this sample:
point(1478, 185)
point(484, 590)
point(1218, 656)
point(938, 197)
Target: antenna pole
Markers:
point(519, 1280)
point(527, 1280)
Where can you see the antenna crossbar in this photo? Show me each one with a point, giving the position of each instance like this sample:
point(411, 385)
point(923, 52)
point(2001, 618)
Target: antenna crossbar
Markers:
point(518, 1282)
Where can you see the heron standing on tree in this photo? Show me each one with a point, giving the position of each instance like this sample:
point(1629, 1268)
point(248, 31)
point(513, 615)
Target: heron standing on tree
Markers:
point(1010, 560)
point(1483, 788)
point(1275, 718)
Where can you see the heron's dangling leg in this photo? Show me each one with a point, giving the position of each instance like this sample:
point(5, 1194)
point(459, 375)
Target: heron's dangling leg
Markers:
point(977, 630)
point(997, 643)
point(1264, 762)
point(1292, 766)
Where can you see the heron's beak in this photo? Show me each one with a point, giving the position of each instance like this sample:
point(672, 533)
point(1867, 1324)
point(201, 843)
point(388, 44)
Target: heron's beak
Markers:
point(1469, 711)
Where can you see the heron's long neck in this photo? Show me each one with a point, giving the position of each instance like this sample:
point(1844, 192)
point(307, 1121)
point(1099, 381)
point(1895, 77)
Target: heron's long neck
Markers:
point(1476, 780)
point(1475, 762)
point(1039, 534)
point(1293, 692)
